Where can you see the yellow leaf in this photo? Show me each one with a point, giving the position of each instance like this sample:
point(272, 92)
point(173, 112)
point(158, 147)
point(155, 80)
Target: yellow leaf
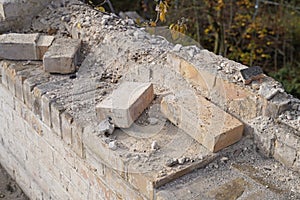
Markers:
point(100, 8)
point(162, 11)
point(138, 21)
point(153, 24)
point(162, 17)
point(171, 26)
point(182, 29)
point(79, 25)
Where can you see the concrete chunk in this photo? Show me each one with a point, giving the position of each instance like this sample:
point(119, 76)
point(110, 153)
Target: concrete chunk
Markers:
point(62, 56)
point(202, 120)
point(16, 46)
point(126, 103)
point(43, 44)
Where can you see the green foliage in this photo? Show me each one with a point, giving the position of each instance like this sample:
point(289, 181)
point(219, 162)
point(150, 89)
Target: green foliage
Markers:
point(290, 78)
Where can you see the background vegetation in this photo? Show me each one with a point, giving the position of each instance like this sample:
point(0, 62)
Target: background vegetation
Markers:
point(252, 32)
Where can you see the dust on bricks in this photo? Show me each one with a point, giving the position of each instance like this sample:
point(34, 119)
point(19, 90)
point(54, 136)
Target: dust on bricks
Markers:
point(126, 103)
point(43, 45)
point(16, 46)
point(62, 56)
point(206, 123)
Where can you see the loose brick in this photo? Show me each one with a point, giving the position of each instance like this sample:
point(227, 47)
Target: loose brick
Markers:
point(126, 103)
point(203, 121)
point(16, 46)
point(237, 100)
point(285, 154)
point(43, 44)
point(276, 106)
point(62, 57)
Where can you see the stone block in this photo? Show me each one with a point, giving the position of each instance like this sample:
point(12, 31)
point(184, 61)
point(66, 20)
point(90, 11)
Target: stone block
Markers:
point(43, 44)
point(15, 46)
point(56, 110)
point(62, 57)
point(202, 120)
point(126, 103)
point(22, 75)
point(276, 106)
point(66, 125)
point(46, 110)
point(28, 87)
point(237, 100)
point(285, 154)
point(251, 74)
point(77, 139)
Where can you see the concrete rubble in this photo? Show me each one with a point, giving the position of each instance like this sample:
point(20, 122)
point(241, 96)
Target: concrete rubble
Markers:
point(128, 122)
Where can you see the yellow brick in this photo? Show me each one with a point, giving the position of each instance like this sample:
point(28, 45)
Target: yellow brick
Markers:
point(202, 120)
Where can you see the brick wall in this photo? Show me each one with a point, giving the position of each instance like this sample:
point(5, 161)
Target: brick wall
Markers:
point(44, 166)
point(47, 136)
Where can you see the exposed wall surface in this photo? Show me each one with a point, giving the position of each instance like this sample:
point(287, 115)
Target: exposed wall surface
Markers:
point(49, 137)
point(45, 167)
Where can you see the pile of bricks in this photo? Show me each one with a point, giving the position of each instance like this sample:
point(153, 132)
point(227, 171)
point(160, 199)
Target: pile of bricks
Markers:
point(58, 55)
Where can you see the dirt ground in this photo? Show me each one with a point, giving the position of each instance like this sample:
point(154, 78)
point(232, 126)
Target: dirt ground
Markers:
point(9, 190)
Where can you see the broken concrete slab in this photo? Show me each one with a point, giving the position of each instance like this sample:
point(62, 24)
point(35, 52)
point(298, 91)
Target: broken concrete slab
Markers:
point(62, 56)
point(15, 46)
point(202, 120)
point(126, 103)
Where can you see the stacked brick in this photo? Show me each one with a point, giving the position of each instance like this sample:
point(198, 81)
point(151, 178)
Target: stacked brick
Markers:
point(59, 56)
